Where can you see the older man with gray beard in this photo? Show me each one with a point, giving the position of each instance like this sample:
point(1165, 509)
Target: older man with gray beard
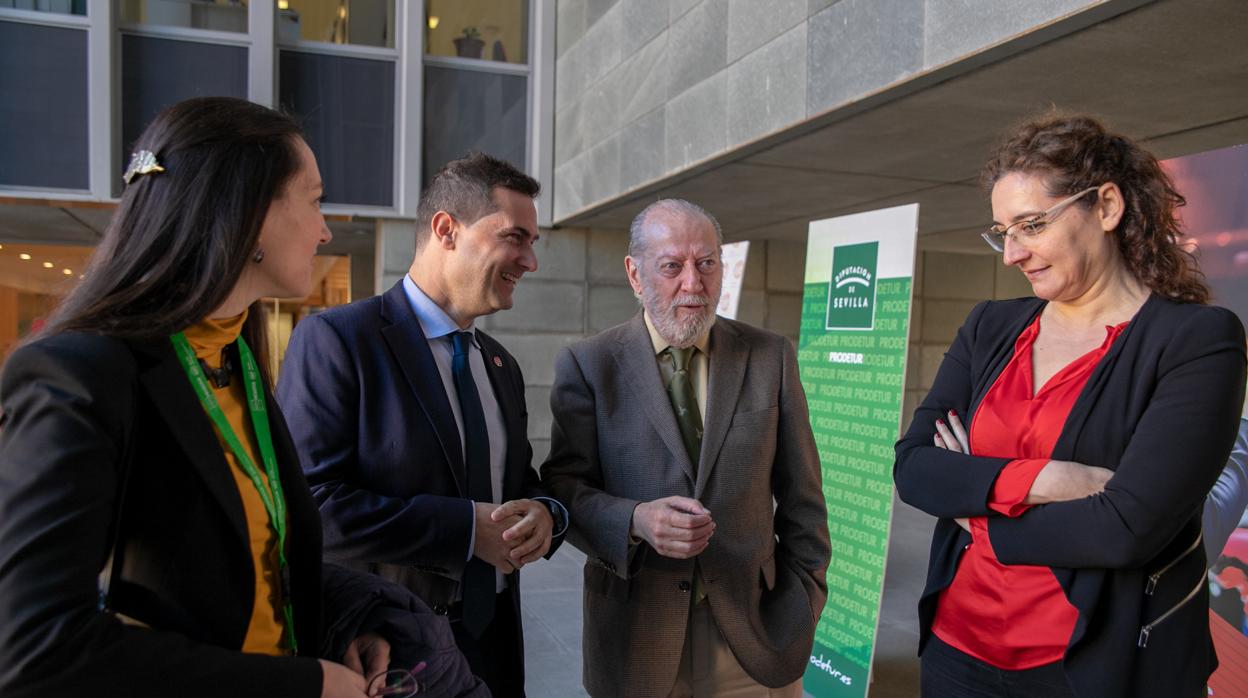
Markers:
point(682, 447)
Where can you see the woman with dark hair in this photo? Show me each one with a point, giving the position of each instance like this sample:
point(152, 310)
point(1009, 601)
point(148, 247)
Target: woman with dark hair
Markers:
point(1067, 560)
point(156, 533)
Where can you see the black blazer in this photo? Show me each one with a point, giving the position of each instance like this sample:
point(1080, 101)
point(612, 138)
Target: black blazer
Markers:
point(76, 407)
point(1161, 409)
point(381, 450)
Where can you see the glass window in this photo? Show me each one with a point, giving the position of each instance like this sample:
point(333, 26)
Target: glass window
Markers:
point(217, 15)
point(347, 109)
point(358, 22)
point(64, 7)
point(484, 29)
point(43, 107)
point(473, 110)
point(157, 73)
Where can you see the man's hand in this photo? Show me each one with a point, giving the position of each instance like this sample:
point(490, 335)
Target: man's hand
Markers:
point(676, 527)
point(489, 545)
point(528, 538)
point(368, 655)
point(1063, 481)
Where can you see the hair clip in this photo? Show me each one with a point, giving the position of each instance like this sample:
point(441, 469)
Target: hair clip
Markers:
point(141, 162)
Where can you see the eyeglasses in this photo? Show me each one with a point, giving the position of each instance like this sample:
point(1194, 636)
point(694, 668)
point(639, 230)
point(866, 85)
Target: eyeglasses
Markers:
point(396, 682)
point(1028, 228)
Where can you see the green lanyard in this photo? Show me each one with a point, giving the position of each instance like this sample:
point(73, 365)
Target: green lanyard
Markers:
point(274, 501)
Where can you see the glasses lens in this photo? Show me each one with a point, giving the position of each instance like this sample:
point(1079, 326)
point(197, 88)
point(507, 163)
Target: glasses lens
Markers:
point(395, 682)
point(994, 239)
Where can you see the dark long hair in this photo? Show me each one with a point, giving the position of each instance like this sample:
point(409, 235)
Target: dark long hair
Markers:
point(180, 239)
point(1075, 152)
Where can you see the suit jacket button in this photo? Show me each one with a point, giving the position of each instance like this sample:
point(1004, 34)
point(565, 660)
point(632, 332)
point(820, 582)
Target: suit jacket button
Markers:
point(683, 585)
point(440, 609)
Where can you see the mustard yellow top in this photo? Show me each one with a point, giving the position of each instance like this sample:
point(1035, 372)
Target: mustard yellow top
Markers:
point(266, 627)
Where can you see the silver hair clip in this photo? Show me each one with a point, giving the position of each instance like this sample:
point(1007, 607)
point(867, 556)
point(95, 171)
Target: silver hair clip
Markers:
point(141, 162)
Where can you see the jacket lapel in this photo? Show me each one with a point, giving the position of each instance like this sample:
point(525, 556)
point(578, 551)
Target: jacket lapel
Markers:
point(634, 354)
point(728, 358)
point(411, 351)
point(170, 391)
point(1096, 384)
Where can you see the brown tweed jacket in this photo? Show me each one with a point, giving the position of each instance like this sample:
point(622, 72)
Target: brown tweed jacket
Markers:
point(615, 444)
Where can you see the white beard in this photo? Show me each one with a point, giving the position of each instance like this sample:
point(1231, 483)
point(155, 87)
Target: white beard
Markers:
point(679, 332)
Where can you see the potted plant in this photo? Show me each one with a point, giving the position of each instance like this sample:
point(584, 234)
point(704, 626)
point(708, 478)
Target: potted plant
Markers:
point(469, 45)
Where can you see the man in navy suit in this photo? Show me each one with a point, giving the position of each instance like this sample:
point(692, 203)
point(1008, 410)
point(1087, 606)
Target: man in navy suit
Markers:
point(412, 425)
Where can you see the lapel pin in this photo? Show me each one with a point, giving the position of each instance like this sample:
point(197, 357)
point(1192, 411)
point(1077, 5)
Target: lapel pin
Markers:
point(498, 362)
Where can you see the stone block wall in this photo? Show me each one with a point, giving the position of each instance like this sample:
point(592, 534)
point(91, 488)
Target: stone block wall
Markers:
point(645, 89)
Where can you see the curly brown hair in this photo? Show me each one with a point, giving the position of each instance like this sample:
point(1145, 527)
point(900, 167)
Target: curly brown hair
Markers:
point(1074, 152)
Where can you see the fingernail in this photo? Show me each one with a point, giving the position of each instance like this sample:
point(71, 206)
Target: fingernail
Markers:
point(940, 422)
point(952, 413)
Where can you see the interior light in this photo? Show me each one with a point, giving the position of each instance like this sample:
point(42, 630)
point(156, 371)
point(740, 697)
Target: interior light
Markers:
point(433, 21)
point(24, 256)
point(67, 272)
point(342, 12)
point(283, 5)
point(48, 265)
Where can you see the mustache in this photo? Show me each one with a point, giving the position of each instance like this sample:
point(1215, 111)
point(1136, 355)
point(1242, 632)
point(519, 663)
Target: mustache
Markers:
point(690, 300)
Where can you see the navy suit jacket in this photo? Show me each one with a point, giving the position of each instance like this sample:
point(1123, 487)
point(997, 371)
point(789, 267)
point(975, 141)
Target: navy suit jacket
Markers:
point(380, 447)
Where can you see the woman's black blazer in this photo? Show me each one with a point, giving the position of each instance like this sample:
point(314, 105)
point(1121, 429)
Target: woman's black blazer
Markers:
point(1161, 409)
point(76, 408)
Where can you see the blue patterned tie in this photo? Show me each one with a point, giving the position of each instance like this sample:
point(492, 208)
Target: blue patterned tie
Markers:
point(479, 580)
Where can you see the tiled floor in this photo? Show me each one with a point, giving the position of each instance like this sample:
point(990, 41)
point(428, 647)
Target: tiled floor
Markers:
point(552, 616)
point(550, 593)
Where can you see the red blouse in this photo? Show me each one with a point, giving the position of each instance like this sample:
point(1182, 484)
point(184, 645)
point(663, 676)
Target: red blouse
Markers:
point(1015, 616)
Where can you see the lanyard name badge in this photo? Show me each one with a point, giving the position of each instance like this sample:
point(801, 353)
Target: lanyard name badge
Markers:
point(274, 500)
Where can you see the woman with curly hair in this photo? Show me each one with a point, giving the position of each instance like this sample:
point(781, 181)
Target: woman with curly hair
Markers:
point(1069, 440)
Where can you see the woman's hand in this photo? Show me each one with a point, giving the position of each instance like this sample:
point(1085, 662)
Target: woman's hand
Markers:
point(337, 681)
point(1063, 481)
point(952, 437)
point(368, 655)
point(1059, 481)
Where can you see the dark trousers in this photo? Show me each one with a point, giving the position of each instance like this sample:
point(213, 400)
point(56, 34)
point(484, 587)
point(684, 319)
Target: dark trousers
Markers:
point(497, 657)
point(946, 672)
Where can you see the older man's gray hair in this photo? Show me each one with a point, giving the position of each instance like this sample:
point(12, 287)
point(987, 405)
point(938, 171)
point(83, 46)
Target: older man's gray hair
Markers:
point(637, 237)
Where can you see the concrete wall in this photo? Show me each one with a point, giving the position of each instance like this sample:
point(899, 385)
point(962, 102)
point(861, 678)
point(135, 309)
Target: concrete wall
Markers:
point(648, 88)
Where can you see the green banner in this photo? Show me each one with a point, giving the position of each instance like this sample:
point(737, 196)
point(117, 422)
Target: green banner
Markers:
point(852, 360)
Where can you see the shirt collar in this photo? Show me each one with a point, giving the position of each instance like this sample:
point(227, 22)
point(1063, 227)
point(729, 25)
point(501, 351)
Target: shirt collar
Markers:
point(660, 345)
point(434, 321)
